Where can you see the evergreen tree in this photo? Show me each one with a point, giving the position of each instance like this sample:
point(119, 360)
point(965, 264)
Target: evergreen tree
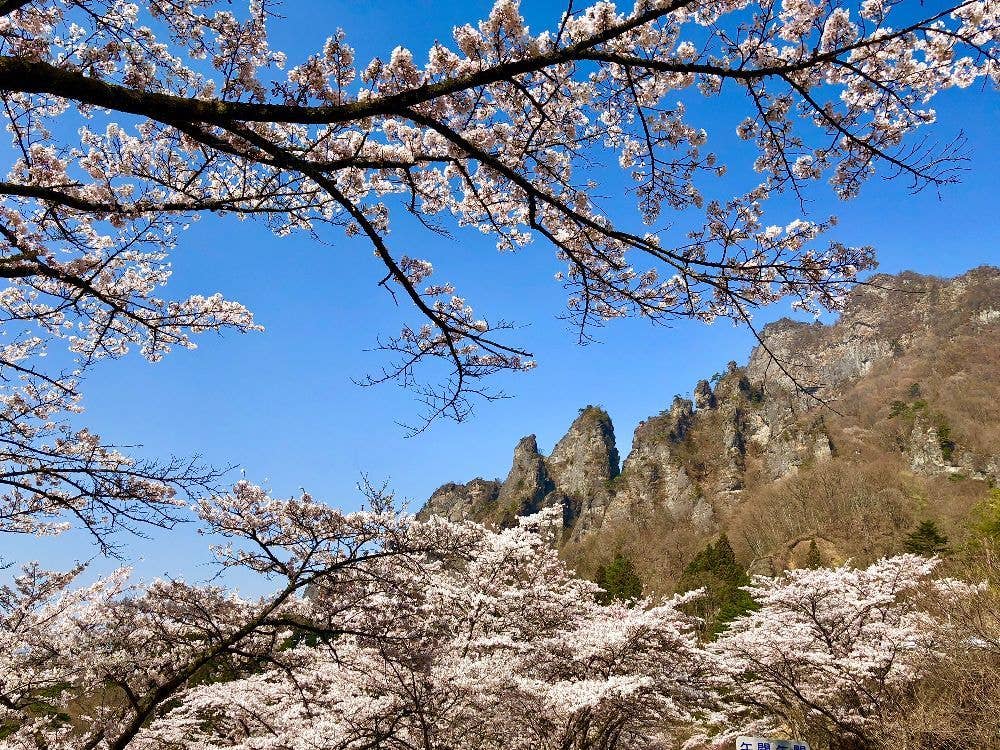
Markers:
point(813, 558)
point(619, 581)
point(945, 441)
point(716, 570)
point(927, 539)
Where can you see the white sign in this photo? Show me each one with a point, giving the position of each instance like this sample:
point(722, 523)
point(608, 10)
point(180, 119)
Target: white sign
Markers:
point(770, 743)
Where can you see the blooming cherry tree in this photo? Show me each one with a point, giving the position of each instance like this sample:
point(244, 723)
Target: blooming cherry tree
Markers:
point(499, 646)
point(90, 667)
point(830, 651)
point(495, 130)
point(384, 632)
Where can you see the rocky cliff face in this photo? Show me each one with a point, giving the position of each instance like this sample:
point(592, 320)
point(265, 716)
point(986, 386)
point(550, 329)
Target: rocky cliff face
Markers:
point(582, 466)
point(654, 477)
point(528, 486)
point(810, 394)
point(883, 319)
point(474, 501)
point(577, 477)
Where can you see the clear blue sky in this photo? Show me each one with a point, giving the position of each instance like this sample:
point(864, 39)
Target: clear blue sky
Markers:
point(281, 403)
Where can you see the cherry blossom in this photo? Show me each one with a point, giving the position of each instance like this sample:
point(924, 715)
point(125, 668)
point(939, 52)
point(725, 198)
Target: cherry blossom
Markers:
point(495, 132)
point(497, 646)
point(386, 631)
point(830, 650)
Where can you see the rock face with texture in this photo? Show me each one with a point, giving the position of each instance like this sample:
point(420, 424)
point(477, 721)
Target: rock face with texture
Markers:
point(654, 478)
point(463, 502)
point(879, 321)
point(528, 483)
point(582, 466)
point(704, 398)
point(925, 451)
point(796, 445)
point(693, 463)
point(737, 424)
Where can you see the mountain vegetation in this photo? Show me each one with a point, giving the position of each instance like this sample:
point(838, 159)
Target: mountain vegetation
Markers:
point(894, 446)
point(776, 496)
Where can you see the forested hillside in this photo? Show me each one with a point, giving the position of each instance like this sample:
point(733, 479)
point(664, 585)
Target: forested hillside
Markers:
point(833, 442)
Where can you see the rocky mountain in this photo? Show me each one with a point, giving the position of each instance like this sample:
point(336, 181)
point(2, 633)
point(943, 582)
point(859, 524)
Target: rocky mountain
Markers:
point(838, 434)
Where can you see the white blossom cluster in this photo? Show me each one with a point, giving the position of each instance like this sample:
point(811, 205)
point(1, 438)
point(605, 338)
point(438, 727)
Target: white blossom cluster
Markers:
point(391, 632)
point(181, 107)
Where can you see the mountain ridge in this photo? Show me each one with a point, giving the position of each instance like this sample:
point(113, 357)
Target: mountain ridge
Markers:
point(749, 430)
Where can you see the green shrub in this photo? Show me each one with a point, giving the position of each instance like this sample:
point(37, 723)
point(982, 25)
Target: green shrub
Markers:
point(986, 516)
point(945, 441)
point(897, 407)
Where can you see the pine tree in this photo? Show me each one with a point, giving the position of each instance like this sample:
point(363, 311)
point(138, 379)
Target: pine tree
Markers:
point(716, 570)
point(619, 581)
point(927, 540)
point(813, 558)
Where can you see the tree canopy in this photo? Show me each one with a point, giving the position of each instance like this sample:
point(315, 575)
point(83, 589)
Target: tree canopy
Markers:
point(619, 580)
point(428, 634)
point(130, 120)
point(716, 572)
point(926, 539)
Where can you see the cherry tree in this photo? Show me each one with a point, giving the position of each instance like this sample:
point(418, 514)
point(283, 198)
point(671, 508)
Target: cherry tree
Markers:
point(412, 634)
point(498, 647)
point(384, 631)
point(128, 121)
point(91, 666)
point(830, 652)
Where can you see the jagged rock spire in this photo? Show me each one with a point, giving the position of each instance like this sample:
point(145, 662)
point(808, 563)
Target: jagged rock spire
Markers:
point(583, 465)
point(527, 483)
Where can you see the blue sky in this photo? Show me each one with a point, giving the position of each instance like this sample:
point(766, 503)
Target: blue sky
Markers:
point(281, 404)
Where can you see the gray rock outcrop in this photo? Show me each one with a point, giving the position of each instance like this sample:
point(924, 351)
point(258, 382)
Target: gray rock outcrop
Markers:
point(654, 478)
point(756, 424)
point(462, 502)
point(582, 467)
point(528, 484)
